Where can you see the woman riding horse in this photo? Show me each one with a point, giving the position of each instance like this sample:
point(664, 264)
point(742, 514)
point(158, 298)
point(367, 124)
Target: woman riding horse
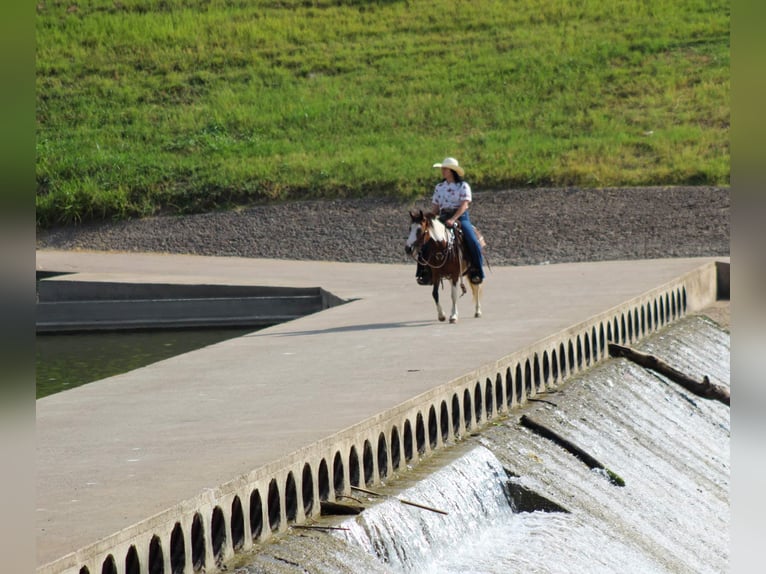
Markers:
point(444, 257)
point(450, 201)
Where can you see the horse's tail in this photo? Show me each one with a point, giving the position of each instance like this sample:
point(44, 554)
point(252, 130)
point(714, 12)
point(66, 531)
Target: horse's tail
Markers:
point(482, 245)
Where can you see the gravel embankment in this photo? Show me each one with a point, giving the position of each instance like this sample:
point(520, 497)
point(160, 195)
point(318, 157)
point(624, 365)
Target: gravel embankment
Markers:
point(521, 227)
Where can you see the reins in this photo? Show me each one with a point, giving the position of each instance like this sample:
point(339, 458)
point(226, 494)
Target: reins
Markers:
point(444, 252)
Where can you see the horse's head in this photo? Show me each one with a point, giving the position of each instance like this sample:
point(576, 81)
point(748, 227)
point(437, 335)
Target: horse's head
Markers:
point(424, 227)
point(418, 232)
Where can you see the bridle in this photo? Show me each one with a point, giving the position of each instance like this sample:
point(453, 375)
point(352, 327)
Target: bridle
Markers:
point(440, 254)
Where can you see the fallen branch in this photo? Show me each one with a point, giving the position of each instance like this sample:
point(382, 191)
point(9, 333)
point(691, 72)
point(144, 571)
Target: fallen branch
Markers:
point(591, 462)
point(408, 502)
point(310, 527)
point(704, 389)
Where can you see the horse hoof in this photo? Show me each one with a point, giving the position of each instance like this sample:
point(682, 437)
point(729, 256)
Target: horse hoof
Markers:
point(442, 318)
point(477, 315)
point(453, 319)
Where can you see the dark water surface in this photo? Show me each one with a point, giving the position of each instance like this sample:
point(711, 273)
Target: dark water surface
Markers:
point(65, 361)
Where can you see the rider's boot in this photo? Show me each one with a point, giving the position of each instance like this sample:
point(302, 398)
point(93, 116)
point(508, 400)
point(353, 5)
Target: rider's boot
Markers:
point(423, 275)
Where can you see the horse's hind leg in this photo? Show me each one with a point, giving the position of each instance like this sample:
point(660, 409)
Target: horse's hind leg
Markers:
point(435, 295)
point(476, 292)
point(453, 315)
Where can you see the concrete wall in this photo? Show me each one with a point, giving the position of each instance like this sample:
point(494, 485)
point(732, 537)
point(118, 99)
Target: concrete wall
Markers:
point(208, 529)
point(79, 306)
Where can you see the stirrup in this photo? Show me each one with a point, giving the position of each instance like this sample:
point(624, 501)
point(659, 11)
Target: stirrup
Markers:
point(476, 279)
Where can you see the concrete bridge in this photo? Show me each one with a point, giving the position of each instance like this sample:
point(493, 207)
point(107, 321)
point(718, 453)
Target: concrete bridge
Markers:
point(176, 466)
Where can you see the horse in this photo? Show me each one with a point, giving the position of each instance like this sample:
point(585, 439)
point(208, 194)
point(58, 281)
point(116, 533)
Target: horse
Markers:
point(431, 243)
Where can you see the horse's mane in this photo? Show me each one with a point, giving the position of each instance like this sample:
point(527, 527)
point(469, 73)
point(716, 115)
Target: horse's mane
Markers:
point(438, 229)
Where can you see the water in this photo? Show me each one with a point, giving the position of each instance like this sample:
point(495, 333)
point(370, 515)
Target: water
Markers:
point(411, 539)
point(67, 361)
point(672, 516)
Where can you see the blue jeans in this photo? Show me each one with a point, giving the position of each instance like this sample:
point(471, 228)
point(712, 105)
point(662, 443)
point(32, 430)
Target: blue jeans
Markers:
point(474, 249)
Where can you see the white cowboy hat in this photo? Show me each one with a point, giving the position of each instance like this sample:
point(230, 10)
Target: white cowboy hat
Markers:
point(451, 163)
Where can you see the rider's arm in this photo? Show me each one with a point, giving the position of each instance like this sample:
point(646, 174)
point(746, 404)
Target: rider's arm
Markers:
point(460, 211)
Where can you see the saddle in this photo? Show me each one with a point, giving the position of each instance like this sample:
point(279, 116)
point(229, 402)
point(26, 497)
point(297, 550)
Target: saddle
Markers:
point(445, 214)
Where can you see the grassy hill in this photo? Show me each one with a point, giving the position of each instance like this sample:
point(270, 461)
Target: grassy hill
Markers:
point(147, 106)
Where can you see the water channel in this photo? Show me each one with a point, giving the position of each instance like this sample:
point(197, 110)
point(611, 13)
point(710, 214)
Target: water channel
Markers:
point(66, 361)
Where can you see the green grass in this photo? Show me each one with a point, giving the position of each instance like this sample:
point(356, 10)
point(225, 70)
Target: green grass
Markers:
point(175, 106)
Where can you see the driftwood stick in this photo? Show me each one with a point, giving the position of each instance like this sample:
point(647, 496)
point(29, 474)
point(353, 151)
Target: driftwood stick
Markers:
point(310, 527)
point(704, 389)
point(408, 502)
point(570, 447)
point(349, 497)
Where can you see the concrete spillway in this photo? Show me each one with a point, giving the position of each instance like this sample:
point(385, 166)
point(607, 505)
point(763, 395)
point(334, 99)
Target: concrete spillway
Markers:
point(183, 462)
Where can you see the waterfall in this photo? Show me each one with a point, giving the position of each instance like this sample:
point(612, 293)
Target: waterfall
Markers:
point(408, 539)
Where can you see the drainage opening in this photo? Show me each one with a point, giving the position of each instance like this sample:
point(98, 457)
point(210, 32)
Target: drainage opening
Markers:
point(273, 504)
point(353, 467)
point(369, 470)
point(455, 415)
point(433, 428)
point(467, 409)
point(396, 457)
point(198, 543)
point(156, 557)
point(407, 441)
point(218, 533)
point(291, 498)
point(237, 524)
point(256, 515)
point(337, 474)
point(131, 562)
point(477, 402)
point(307, 489)
point(177, 550)
point(324, 481)
point(382, 456)
point(109, 567)
point(420, 434)
point(444, 422)
point(528, 378)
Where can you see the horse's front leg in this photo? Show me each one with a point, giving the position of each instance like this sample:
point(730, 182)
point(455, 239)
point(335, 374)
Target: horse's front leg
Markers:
point(453, 315)
point(476, 292)
point(435, 295)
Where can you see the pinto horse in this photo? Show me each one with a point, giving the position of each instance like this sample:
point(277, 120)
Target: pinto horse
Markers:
point(430, 243)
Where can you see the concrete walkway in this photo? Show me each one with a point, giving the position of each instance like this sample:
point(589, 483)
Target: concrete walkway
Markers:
point(113, 453)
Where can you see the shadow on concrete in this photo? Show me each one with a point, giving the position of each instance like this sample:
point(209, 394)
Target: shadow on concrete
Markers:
point(347, 328)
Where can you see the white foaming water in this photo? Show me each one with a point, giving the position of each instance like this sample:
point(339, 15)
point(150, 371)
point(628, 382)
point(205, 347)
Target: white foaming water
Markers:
point(482, 534)
point(408, 538)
